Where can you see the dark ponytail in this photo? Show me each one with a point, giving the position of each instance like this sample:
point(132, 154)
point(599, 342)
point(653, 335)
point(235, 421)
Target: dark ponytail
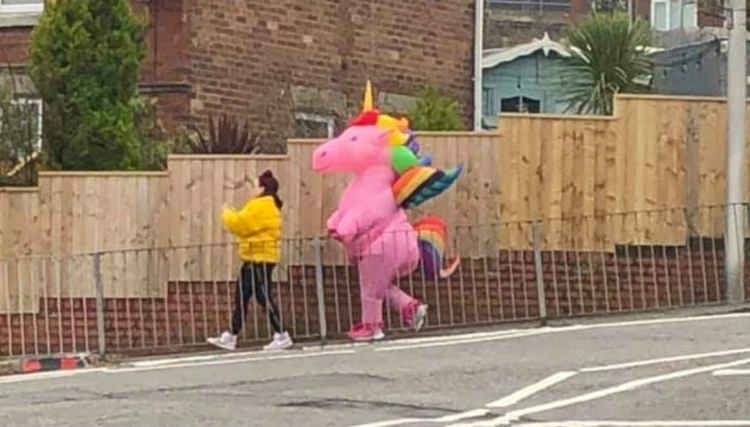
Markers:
point(270, 187)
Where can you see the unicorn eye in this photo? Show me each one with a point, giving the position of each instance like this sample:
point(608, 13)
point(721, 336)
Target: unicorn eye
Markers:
point(354, 138)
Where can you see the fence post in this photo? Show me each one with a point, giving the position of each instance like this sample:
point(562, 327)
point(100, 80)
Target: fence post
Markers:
point(319, 288)
point(536, 242)
point(99, 304)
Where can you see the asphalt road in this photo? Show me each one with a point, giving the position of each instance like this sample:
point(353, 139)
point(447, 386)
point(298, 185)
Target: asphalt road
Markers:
point(661, 371)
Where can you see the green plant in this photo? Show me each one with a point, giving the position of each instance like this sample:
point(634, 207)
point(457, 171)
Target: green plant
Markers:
point(155, 145)
point(226, 136)
point(19, 136)
point(435, 112)
point(608, 58)
point(85, 60)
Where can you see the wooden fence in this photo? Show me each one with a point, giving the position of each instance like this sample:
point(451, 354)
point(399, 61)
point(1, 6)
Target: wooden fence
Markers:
point(654, 154)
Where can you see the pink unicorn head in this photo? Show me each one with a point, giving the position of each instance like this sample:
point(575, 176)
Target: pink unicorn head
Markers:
point(358, 148)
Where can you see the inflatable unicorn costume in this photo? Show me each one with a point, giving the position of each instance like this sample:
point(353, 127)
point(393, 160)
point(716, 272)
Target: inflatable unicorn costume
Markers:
point(370, 221)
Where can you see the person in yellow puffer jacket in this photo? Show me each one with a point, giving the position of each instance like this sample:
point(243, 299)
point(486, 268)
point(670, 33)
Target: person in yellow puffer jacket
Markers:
point(257, 227)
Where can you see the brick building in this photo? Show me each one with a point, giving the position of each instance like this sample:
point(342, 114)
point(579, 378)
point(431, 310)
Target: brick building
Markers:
point(512, 22)
point(296, 67)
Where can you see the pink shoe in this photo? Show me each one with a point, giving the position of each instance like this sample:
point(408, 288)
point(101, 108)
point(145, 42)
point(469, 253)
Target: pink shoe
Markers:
point(366, 332)
point(415, 314)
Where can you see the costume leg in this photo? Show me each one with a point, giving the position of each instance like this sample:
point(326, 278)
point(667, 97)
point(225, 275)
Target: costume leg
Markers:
point(374, 279)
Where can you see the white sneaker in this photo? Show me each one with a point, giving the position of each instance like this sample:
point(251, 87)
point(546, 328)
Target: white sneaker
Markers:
point(226, 340)
point(280, 342)
point(420, 316)
point(378, 335)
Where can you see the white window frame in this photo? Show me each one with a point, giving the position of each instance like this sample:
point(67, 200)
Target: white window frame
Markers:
point(328, 120)
point(683, 6)
point(22, 8)
point(40, 105)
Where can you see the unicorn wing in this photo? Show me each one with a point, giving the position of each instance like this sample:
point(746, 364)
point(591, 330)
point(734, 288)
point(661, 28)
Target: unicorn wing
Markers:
point(421, 183)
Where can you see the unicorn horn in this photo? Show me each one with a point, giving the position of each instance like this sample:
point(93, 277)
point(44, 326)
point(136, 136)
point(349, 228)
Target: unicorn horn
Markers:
point(367, 105)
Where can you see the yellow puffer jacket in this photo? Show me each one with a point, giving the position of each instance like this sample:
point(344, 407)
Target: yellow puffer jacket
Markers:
point(258, 229)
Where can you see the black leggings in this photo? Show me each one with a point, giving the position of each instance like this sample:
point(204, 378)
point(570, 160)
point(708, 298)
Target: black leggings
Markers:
point(255, 278)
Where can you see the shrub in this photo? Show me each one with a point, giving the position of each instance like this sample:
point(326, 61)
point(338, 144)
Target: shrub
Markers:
point(610, 59)
point(435, 112)
point(226, 136)
point(85, 60)
point(19, 137)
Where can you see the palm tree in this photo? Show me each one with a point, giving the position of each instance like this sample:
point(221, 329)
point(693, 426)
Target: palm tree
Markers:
point(609, 57)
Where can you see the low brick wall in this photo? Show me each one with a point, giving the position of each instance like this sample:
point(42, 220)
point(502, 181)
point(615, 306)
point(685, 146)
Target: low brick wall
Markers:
point(482, 291)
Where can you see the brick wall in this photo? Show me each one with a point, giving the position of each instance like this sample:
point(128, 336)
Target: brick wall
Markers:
point(483, 291)
point(709, 17)
point(244, 61)
point(642, 9)
point(503, 32)
point(15, 44)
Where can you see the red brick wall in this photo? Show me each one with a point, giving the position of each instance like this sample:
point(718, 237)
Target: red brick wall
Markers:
point(483, 291)
point(242, 61)
point(708, 17)
point(15, 45)
point(166, 40)
point(642, 9)
point(579, 9)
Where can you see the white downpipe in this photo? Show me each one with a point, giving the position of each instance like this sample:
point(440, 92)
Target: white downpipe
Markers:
point(478, 49)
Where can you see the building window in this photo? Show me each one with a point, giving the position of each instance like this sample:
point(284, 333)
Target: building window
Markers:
point(313, 126)
point(531, 5)
point(20, 6)
point(520, 104)
point(672, 14)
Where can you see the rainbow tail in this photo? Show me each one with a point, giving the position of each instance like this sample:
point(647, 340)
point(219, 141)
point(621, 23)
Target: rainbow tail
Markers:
point(421, 183)
point(431, 237)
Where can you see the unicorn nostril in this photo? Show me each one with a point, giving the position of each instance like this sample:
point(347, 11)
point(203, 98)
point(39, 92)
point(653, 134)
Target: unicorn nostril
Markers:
point(323, 154)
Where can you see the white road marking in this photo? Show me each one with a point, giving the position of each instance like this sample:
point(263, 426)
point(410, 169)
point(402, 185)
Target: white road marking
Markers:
point(403, 341)
point(630, 385)
point(159, 362)
point(398, 422)
point(468, 414)
point(531, 390)
point(335, 346)
point(665, 360)
point(677, 423)
point(463, 341)
point(225, 362)
point(410, 343)
point(444, 419)
point(731, 372)
point(459, 336)
point(468, 339)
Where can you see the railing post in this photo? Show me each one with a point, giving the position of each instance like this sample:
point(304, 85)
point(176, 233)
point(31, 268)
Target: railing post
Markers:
point(319, 289)
point(734, 247)
point(536, 242)
point(99, 304)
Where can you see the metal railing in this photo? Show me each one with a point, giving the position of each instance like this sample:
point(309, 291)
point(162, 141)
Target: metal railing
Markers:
point(171, 298)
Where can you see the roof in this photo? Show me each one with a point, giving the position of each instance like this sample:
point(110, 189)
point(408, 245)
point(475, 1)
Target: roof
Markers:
point(494, 57)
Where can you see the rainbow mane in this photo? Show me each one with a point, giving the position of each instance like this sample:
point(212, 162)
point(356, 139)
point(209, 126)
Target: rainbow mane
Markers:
point(417, 181)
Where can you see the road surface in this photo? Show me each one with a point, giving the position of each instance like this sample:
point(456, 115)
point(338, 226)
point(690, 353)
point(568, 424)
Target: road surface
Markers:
point(658, 371)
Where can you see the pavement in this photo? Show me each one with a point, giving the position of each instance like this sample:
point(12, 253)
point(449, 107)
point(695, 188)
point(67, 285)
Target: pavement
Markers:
point(661, 370)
